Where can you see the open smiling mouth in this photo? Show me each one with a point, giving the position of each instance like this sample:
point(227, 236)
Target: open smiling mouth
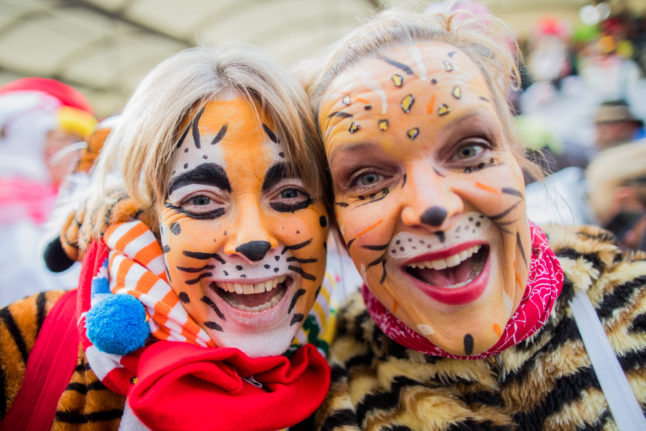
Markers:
point(254, 297)
point(452, 272)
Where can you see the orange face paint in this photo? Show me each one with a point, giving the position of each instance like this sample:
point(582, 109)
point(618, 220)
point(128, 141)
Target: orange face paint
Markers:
point(244, 241)
point(433, 202)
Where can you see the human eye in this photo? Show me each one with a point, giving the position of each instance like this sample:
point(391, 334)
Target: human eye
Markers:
point(471, 150)
point(201, 205)
point(367, 179)
point(290, 198)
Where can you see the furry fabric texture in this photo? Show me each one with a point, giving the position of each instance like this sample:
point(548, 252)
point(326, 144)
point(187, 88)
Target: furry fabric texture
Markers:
point(544, 383)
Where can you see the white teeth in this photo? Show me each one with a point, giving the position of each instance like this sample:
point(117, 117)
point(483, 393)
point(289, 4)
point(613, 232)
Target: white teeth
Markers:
point(251, 288)
point(449, 262)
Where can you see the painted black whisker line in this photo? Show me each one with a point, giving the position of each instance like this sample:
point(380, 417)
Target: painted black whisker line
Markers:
point(212, 306)
point(512, 192)
point(270, 133)
point(340, 114)
point(375, 247)
point(299, 270)
point(373, 200)
point(220, 135)
point(196, 129)
point(350, 243)
point(505, 212)
point(295, 259)
point(202, 256)
point(383, 274)
point(296, 318)
point(377, 261)
point(438, 173)
point(213, 325)
point(194, 270)
point(181, 138)
point(397, 64)
point(296, 246)
point(342, 204)
point(520, 247)
point(197, 280)
point(297, 295)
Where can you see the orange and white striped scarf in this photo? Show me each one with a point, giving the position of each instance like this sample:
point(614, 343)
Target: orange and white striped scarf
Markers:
point(131, 262)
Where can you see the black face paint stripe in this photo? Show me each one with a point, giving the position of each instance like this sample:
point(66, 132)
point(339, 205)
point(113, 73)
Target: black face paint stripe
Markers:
point(213, 325)
point(195, 270)
point(274, 174)
point(220, 135)
point(203, 256)
point(295, 259)
point(468, 344)
point(181, 138)
point(397, 64)
point(298, 294)
point(299, 270)
point(270, 133)
point(520, 246)
point(505, 212)
point(340, 114)
point(197, 280)
point(296, 318)
point(375, 247)
point(196, 129)
point(383, 274)
point(206, 173)
point(296, 246)
point(512, 192)
point(213, 306)
point(376, 261)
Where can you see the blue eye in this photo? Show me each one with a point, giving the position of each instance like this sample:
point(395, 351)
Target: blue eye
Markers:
point(369, 179)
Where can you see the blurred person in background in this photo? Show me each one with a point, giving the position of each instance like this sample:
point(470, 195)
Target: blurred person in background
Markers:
point(615, 124)
point(616, 189)
point(41, 123)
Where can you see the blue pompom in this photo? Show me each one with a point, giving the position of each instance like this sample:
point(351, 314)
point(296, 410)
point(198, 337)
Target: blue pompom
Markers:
point(117, 324)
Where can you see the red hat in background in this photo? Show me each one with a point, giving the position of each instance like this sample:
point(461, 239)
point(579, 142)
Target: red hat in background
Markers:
point(67, 95)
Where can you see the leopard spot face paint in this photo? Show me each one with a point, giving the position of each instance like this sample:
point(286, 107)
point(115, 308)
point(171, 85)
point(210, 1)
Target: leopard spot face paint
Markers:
point(437, 248)
point(244, 241)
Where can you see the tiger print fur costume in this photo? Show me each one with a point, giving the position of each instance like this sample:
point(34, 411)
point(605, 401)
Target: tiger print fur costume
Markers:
point(544, 383)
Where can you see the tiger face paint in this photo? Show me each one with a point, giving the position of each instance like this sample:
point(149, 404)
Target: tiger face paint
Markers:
point(429, 198)
point(243, 241)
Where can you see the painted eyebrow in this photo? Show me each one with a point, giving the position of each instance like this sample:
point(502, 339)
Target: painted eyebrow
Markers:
point(206, 173)
point(274, 174)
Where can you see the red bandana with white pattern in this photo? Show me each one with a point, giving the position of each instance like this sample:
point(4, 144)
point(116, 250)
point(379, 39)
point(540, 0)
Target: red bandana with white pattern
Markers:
point(543, 288)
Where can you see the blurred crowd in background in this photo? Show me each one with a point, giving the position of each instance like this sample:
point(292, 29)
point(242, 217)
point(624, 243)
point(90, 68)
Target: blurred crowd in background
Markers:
point(580, 111)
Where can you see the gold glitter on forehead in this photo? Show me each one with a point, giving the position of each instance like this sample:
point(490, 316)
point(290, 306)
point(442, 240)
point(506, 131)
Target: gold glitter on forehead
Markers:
point(413, 133)
point(383, 125)
point(407, 103)
point(457, 92)
point(397, 79)
point(443, 110)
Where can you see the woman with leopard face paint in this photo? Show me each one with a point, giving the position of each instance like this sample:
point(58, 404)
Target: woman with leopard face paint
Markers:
point(202, 302)
point(464, 318)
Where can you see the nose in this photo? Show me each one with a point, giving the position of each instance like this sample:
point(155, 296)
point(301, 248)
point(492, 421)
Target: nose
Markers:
point(430, 200)
point(254, 250)
point(250, 235)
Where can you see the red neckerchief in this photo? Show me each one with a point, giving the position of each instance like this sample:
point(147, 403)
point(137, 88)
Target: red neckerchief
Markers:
point(182, 386)
point(543, 288)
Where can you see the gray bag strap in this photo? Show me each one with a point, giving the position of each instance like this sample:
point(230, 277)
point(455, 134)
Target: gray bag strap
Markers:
point(625, 408)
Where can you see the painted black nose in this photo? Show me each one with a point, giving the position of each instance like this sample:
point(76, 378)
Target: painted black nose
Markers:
point(434, 216)
point(254, 250)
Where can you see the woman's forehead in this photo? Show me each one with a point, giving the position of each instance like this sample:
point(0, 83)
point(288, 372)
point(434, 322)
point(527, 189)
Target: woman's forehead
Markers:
point(406, 91)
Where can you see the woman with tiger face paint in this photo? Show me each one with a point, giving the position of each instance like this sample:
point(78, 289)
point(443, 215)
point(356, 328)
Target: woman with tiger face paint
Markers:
point(464, 293)
point(199, 298)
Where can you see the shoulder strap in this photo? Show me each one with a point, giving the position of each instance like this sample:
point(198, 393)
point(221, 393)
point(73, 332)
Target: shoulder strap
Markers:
point(49, 368)
point(624, 406)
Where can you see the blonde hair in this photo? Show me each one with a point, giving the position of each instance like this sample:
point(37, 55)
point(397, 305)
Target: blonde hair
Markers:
point(141, 146)
point(623, 165)
point(485, 40)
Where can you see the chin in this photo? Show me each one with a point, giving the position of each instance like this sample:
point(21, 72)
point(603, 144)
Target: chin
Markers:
point(256, 345)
